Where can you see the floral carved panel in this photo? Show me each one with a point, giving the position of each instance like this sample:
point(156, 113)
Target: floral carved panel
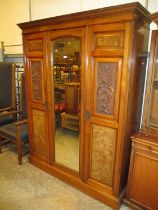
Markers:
point(103, 153)
point(112, 41)
point(36, 70)
point(106, 84)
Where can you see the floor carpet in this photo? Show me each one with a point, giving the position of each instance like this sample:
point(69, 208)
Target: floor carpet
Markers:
point(29, 188)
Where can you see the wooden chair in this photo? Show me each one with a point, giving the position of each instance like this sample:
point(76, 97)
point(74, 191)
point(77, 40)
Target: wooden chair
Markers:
point(17, 132)
point(59, 105)
point(8, 109)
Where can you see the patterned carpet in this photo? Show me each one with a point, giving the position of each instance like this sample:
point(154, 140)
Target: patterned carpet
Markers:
point(28, 188)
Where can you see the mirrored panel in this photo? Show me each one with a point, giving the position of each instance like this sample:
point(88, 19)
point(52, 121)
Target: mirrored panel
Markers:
point(66, 71)
point(153, 113)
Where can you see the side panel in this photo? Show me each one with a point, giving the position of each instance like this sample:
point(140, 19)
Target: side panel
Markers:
point(142, 179)
point(36, 77)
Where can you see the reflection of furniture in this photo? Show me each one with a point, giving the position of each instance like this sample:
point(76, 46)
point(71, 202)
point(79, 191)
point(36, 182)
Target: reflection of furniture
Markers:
point(143, 173)
point(17, 132)
point(66, 59)
point(70, 121)
point(59, 105)
point(63, 72)
point(70, 118)
point(7, 93)
point(72, 98)
point(110, 40)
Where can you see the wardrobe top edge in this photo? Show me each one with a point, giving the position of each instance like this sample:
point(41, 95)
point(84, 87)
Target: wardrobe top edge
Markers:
point(135, 9)
point(154, 17)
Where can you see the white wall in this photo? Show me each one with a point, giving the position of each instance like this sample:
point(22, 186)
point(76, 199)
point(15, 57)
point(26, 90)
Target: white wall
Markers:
point(60, 7)
point(17, 11)
point(11, 13)
point(92, 4)
point(49, 8)
point(153, 7)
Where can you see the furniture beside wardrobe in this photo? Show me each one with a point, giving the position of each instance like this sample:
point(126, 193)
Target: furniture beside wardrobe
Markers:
point(107, 47)
point(143, 173)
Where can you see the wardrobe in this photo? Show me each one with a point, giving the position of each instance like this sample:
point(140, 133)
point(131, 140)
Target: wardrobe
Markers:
point(83, 75)
point(143, 179)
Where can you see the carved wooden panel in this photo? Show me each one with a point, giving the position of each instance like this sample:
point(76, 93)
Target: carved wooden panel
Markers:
point(106, 84)
point(35, 45)
point(39, 132)
point(36, 79)
point(103, 153)
point(107, 40)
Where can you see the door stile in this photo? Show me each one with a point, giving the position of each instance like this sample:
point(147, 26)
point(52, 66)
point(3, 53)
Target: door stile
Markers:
point(36, 95)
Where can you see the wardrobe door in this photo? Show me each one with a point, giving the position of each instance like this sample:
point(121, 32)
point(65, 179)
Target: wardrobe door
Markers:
point(67, 81)
point(105, 47)
point(150, 116)
point(36, 95)
point(102, 122)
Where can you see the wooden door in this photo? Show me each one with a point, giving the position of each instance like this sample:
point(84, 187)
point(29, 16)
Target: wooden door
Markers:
point(36, 88)
point(105, 52)
point(66, 62)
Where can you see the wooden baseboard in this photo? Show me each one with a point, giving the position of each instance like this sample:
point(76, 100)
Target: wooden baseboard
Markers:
point(131, 205)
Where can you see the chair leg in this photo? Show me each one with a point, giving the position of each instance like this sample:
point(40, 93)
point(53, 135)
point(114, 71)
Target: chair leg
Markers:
point(19, 151)
point(0, 146)
point(1, 139)
point(19, 145)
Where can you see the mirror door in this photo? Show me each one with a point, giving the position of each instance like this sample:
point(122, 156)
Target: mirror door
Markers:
point(153, 113)
point(67, 89)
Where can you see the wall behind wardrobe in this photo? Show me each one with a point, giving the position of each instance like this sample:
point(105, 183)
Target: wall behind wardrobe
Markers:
point(11, 13)
point(17, 11)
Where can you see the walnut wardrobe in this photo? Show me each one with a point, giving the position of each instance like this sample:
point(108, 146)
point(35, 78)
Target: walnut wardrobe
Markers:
point(83, 95)
point(143, 173)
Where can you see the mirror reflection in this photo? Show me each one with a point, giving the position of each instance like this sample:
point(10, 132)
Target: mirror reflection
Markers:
point(153, 114)
point(66, 71)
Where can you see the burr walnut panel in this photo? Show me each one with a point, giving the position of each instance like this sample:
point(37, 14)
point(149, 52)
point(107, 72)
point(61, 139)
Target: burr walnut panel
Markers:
point(106, 84)
point(109, 40)
point(36, 79)
point(35, 45)
point(39, 125)
point(103, 153)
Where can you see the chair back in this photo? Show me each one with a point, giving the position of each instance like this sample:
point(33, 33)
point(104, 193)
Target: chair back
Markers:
point(7, 85)
point(23, 97)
